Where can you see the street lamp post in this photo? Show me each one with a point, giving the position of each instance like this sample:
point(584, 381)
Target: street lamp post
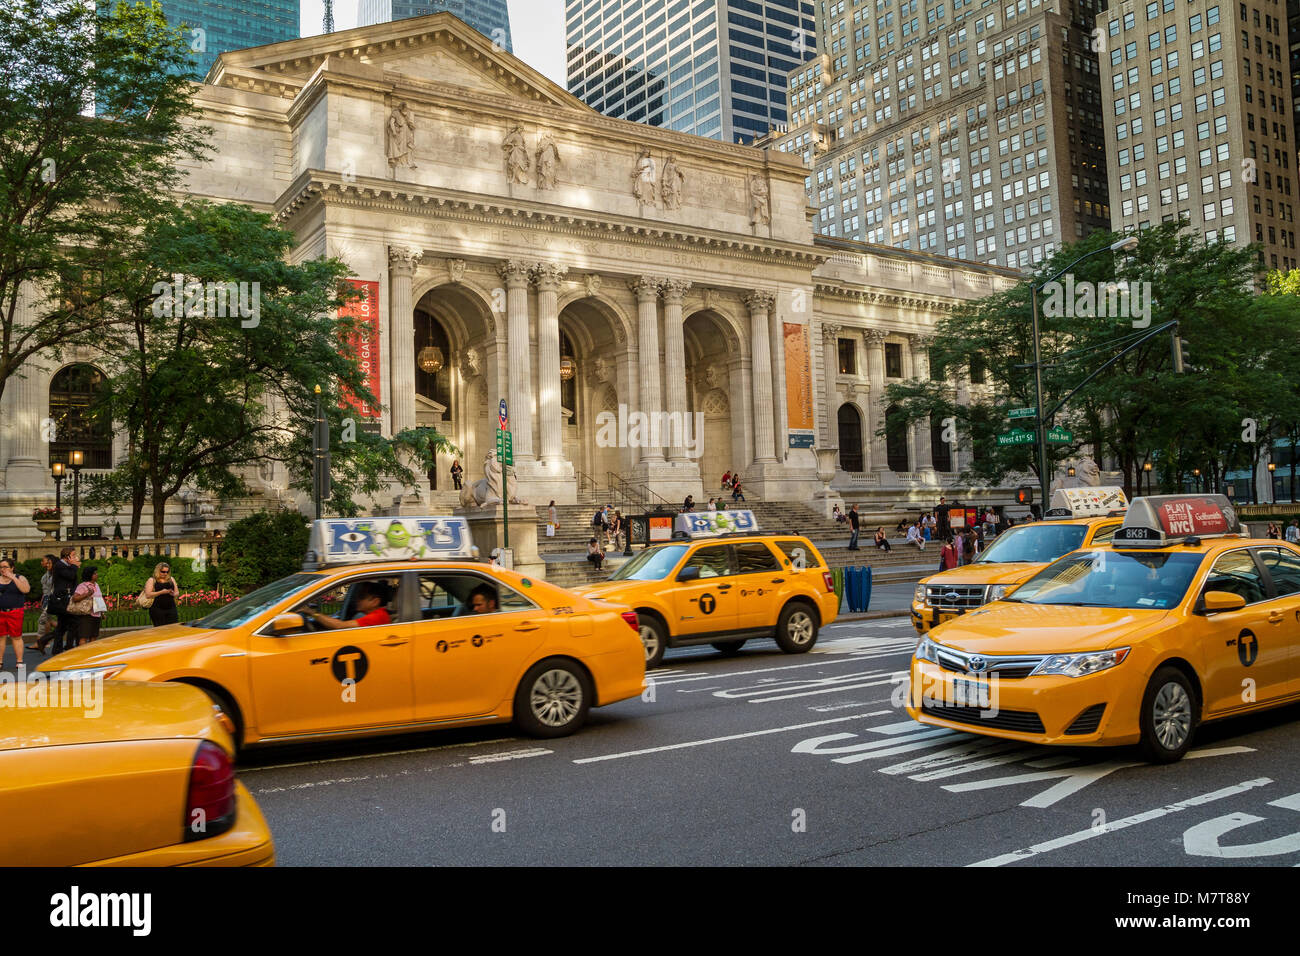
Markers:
point(1272, 482)
point(57, 470)
point(1146, 467)
point(1127, 244)
point(76, 459)
point(1196, 473)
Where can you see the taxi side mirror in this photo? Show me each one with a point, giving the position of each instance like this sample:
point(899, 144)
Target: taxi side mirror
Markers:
point(689, 574)
point(1221, 601)
point(287, 622)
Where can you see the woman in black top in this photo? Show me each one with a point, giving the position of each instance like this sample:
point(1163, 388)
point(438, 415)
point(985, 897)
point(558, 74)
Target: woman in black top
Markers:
point(164, 591)
point(65, 582)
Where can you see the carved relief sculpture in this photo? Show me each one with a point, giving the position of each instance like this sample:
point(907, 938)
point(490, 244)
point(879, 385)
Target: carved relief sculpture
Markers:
point(456, 269)
point(400, 143)
point(760, 208)
point(671, 187)
point(516, 156)
point(548, 162)
point(643, 180)
point(592, 282)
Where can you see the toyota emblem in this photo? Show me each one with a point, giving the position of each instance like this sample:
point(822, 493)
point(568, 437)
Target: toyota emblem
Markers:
point(977, 664)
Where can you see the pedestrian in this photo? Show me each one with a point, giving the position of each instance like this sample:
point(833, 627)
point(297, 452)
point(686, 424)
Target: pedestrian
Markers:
point(837, 514)
point(882, 541)
point(456, 472)
point(959, 542)
point(14, 589)
point(1293, 531)
point(948, 556)
point(552, 520)
point(88, 596)
point(163, 593)
point(1272, 531)
point(853, 528)
point(737, 493)
point(726, 480)
point(45, 623)
point(713, 504)
point(941, 518)
point(594, 554)
point(914, 535)
point(927, 526)
point(689, 504)
point(64, 582)
point(599, 522)
point(616, 526)
point(997, 523)
point(968, 546)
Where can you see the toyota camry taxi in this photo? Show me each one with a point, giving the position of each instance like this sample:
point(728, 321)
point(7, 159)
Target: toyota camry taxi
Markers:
point(723, 582)
point(1180, 620)
point(96, 773)
point(393, 627)
point(1078, 518)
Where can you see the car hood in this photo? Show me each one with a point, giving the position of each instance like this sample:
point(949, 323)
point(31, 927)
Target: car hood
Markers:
point(1017, 573)
point(132, 645)
point(611, 590)
point(1008, 628)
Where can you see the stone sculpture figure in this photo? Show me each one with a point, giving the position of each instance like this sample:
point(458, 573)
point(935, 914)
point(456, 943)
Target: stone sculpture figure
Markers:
point(516, 156)
point(671, 187)
point(643, 186)
point(548, 163)
point(487, 490)
point(760, 210)
point(401, 137)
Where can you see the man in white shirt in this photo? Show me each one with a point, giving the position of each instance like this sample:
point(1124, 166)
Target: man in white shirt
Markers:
point(914, 535)
point(1293, 532)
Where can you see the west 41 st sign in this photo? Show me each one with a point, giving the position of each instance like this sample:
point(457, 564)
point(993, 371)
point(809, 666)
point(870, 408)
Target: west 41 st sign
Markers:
point(1017, 436)
point(505, 447)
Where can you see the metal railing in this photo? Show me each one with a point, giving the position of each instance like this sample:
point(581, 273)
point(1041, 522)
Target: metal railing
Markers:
point(633, 496)
point(587, 485)
point(172, 548)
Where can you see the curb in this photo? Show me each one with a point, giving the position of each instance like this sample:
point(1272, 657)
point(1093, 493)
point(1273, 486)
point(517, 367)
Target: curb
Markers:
point(870, 615)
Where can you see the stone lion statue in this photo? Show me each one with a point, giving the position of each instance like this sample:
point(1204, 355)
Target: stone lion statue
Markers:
point(1086, 475)
point(487, 490)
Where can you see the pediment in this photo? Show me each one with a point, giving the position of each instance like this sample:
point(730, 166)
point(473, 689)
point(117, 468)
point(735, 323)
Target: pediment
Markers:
point(437, 49)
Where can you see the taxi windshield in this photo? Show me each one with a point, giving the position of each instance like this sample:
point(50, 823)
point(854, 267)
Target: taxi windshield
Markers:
point(1150, 580)
point(653, 564)
point(1034, 544)
point(255, 602)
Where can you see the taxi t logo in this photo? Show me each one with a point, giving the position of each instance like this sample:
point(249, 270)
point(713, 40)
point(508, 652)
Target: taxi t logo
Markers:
point(1247, 648)
point(707, 603)
point(349, 665)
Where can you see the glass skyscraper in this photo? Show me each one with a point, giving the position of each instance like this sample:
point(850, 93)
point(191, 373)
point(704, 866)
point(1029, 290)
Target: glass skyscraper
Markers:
point(231, 25)
point(489, 17)
point(716, 68)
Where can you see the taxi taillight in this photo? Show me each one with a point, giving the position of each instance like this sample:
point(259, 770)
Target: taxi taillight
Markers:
point(210, 800)
point(632, 622)
point(830, 582)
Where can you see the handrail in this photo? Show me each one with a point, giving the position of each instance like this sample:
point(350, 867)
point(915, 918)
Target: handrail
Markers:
point(629, 492)
point(586, 481)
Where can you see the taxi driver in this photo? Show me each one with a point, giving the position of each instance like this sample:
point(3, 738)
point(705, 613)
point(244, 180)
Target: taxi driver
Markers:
point(483, 600)
point(372, 598)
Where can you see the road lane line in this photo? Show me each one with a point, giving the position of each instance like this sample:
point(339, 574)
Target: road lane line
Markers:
point(1072, 838)
point(510, 755)
point(386, 753)
point(760, 670)
point(718, 740)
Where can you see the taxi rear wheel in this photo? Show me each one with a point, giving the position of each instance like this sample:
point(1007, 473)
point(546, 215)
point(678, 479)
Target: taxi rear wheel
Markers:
point(654, 638)
point(796, 631)
point(553, 699)
point(1168, 716)
point(728, 647)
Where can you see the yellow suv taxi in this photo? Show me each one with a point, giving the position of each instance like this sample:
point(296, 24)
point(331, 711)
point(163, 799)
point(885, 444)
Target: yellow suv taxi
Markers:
point(1078, 518)
point(393, 628)
point(1181, 619)
point(723, 584)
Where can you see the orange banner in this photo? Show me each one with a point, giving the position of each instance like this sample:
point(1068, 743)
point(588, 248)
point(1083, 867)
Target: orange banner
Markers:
point(798, 384)
point(365, 342)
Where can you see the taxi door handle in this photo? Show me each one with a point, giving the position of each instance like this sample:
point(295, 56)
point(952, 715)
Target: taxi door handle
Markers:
point(1275, 617)
point(391, 643)
point(528, 626)
point(778, 580)
point(724, 587)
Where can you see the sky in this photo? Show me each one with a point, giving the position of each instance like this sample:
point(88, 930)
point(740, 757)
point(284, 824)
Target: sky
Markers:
point(536, 30)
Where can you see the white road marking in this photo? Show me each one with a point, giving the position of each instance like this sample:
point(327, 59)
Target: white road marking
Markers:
point(510, 755)
point(496, 741)
point(828, 708)
point(815, 691)
point(718, 740)
point(1078, 837)
point(1203, 839)
point(761, 670)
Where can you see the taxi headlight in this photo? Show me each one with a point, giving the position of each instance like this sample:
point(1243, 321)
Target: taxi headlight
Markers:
point(919, 594)
point(927, 650)
point(1080, 665)
point(997, 592)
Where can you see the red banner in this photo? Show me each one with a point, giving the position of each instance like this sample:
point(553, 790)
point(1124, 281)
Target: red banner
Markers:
point(365, 343)
point(1193, 516)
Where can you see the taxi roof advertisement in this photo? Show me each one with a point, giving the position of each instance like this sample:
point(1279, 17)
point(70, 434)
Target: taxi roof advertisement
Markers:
point(354, 540)
point(1082, 502)
point(705, 523)
point(1180, 516)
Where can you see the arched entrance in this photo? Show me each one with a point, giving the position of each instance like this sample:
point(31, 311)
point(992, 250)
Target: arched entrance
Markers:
point(594, 382)
point(715, 396)
point(74, 392)
point(896, 440)
point(849, 421)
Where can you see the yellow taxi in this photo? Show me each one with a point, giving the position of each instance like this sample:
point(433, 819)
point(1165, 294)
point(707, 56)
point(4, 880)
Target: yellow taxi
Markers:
point(722, 582)
point(1181, 619)
point(1078, 518)
point(392, 626)
point(96, 773)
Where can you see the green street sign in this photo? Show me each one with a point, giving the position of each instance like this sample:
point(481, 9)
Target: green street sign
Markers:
point(1021, 413)
point(505, 447)
point(1059, 436)
point(1017, 436)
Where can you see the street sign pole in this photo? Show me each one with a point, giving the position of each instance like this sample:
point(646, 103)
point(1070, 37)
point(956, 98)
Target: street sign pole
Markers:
point(503, 417)
point(1039, 424)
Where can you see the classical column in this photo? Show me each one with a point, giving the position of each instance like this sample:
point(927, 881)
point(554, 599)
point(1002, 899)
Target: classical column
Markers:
point(401, 337)
point(780, 413)
point(647, 311)
point(548, 276)
point(874, 340)
point(924, 460)
point(831, 366)
point(675, 365)
point(520, 392)
point(760, 304)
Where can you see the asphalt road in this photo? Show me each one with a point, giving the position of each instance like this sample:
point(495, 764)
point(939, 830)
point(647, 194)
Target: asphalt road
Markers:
point(765, 758)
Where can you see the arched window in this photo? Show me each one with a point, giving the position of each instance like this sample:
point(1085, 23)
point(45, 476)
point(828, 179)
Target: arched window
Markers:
point(568, 386)
point(850, 435)
point(940, 450)
point(433, 349)
point(75, 392)
point(896, 439)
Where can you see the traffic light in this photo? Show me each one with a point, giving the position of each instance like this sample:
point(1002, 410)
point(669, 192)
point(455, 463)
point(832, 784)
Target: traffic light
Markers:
point(1024, 495)
point(1180, 352)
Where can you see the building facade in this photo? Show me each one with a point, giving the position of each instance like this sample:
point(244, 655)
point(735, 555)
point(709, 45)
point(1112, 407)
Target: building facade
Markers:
point(716, 68)
point(489, 17)
point(970, 131)
point(580, 267)
point(218, 26)
point(1199, 123)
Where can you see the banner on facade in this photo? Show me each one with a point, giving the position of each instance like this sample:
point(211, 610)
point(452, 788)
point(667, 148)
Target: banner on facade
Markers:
point(798, 386)
point(364, 341)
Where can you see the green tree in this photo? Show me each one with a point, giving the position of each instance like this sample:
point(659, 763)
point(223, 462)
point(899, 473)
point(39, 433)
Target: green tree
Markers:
point(263, 548)
point(95, 122)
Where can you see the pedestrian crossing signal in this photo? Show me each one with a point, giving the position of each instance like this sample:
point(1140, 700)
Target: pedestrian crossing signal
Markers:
point(1024, 496)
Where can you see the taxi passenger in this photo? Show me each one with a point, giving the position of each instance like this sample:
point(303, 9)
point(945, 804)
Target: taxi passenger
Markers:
point(372, 601)
point(483, 600)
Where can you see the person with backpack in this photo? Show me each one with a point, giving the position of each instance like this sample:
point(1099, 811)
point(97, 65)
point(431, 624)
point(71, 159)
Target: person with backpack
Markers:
point(64, 575)
point(948, 556)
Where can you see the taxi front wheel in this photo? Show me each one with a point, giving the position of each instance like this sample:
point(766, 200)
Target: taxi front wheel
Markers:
point(796, 631)
point(1168, 716)
point(553, 699)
